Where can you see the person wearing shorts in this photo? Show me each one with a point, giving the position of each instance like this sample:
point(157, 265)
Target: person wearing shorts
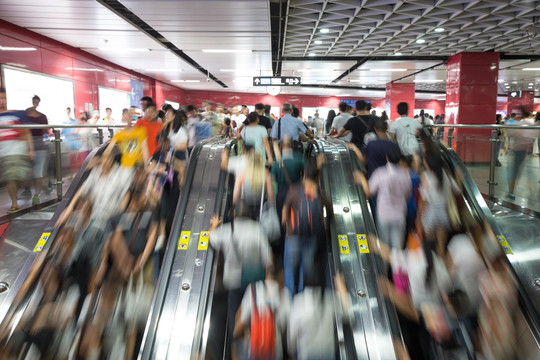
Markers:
point(41, 153)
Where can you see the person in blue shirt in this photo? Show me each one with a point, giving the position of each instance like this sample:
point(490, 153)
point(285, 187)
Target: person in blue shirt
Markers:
point(289, 126)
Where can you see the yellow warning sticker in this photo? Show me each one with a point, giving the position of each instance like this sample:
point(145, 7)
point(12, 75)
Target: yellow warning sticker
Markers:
point(184, 240)
point(363, 246)
point(504, 244)
point(42, 241)
point(203, 241)
point(343, 244)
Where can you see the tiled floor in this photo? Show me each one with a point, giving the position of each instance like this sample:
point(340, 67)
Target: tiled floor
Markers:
point(527, 190)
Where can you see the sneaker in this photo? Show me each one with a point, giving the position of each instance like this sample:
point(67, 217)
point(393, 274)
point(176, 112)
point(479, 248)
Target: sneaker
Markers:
point(35, 200)
point(511, 196)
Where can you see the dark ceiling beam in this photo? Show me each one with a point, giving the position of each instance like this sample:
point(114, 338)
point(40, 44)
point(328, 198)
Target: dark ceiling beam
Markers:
point(277, 32)
point(350, 70)
point(132, 18)
point(420, 71)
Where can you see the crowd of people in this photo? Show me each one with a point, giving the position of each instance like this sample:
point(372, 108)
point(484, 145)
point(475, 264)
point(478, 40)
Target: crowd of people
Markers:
point(96, 281)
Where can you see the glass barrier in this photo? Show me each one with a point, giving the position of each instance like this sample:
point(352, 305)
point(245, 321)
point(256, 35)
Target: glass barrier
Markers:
point(45, 177)
point(503, 160)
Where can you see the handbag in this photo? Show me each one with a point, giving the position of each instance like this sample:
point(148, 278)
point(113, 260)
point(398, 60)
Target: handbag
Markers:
point(268, 218)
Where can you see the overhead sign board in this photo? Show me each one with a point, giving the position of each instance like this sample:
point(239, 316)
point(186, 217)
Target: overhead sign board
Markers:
point(276, 81)
point(352, 103)
point(514, 94)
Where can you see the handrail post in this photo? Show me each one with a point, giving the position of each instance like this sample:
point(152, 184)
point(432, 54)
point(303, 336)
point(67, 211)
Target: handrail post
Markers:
point(58, 163)
point(450, 136)
point(492, 162)
point(111, 133)
point(100, 136)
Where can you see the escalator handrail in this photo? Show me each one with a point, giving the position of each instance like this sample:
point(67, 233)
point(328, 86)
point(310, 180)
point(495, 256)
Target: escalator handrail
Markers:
point(472, 194)
point(168, 258)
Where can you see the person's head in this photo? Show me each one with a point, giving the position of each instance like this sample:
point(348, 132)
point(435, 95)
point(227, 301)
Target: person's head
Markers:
point(220, 108)
point(234, 110)
point(243, 106)
point(245, 111)
point(312, 172)
point(132, 111)
point(83, 116)
point(343, 107)
point(512, 115)
point(191, 111)
point(379, 126)
point(35, 101)
point(68, 111)
point(316, 113)
point(209, 105)
point(165, 107)
point(350, 110)
point(394, 156)
point(126, 116)
point(286, 108)
point(384, 116)
point(108, 111)
point(362, 106)
point(151, 112)
point(373, 112)
point(259, 108)
point(498, 119)
point(170, 114)
point(253, 118)
point(145, 102)
point(267, 109)
point(295, 112)
point(403, 109)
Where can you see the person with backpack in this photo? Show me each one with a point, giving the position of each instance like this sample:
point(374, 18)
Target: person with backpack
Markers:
point(404, 131)
point(358, 125)
point(265, 313)
point(247, 255)
point(290, 126)
point(302, 216)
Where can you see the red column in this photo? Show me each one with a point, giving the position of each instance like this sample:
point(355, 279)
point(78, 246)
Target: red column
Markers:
point(396, 93)
point(471, 98)
point(518, 104)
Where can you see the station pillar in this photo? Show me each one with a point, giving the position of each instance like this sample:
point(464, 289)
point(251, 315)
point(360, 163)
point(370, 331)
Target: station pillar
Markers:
point(471, 98)
point(396, 93)
point(516, 104)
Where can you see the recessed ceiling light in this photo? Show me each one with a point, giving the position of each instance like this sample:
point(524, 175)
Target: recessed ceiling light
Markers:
point(384, 70)
point(122, 49)
point(427, 81)
point(398, 54)
point(318, 42)
point(420, 41)
point(514, 82)
point(311, 54)
point(531, 69)
point(324, 31)
point(364, 86)
point(14, 48)
point(500, 80)
point(530, 84)
point(164, 70)
point(226, 51)
point(439, 29)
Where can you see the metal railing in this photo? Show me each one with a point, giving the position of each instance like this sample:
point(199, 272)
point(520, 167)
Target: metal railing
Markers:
point(57, 140)
point(494, 139)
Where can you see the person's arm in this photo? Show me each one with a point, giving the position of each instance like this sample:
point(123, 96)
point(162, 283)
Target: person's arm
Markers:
point(30, 141)
point(357, 152)
point(268, 150)
point(225, 160)
point(287, 207)
point(269, 188)
point(403, 303)
point(239, 326)
point(380, 248)
point(149, 248)
point(360, 179)
point(238, 188)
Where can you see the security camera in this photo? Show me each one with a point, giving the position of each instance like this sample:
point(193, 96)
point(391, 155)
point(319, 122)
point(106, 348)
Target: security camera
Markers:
point(208, 80)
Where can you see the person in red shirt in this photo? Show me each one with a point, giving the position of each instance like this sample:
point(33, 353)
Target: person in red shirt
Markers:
point(153, 127)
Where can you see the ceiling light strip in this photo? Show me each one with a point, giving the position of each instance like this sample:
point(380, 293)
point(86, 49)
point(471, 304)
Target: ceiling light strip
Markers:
point(119, 9)
point(418, 72)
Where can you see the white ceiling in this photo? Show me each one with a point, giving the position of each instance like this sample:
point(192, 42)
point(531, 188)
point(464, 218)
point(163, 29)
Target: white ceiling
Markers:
point(356, 29)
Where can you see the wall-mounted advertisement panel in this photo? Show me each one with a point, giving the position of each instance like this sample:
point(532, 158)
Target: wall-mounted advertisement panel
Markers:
point(56, 94)
point(114, 99)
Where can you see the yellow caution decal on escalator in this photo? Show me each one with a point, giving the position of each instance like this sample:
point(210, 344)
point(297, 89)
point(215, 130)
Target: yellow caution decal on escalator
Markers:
point(184, 240)
point(343, 244)
point(363, 246)
point(42, 241)
point(203, 241)
point(504, 244)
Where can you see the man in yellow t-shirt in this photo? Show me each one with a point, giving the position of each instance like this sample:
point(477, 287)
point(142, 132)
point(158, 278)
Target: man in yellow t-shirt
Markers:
point(132, 145)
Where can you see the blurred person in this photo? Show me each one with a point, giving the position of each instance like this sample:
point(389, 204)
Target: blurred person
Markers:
point(257, 136)
point(220, 112)
point(226, 130)
point(498, 121)
point(72, 141)
point(329, 123)
point(358, 125)
point(265, 307)
point(210, 116)
point(132, 143)
point(95, 118)
point(192, 119)
point(178, 135)
point(41, 151)
point(86, 136)
point(126, 117)
point(318, 124)
point(247, 255)
point(16, 151)
point(440, 131)
point(312, 322)
point(152, 126)
point(290, 126)
point(267, 109)
point(108, 118)
point(391, 184)
point(145, 102)
point(302, 216)
point(404, 130)
point(385, 118)
point(237, 117)
point(373, 112)
point(263, 119)
point(133, 113)
point(244, 110)
point(340, 121)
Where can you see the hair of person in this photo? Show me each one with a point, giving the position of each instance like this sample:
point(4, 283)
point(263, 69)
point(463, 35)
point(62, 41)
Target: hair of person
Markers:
point(537, 118)
point(255, 172)
point(241, 209)
point(513, 114)
point(124, 110)
point(36, 98)
point(343, 106)
point(179, 119)
point(148, 99)
point(190, 108)
point(243, 106)
point(384, 117)
point(165, 107)
point(498, 118)
point(252, 117)
point(379, 124)
point(369, 106)
point(152, 106)
point(394, 156)
point(286, 107)
point(295, 112)
point(108, 109)
point(68, 108)
point(312, 172)
point(403, 108)
point(267, 109)
point(259, 106)
point(361, 105)
point(227, 121)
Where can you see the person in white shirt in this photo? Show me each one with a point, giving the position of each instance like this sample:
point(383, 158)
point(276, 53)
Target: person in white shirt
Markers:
point(404, 131)
point(341, 120)
point(237, 117)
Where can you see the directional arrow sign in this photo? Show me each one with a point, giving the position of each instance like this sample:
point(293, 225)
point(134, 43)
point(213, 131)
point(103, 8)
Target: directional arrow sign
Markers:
point(276, 81)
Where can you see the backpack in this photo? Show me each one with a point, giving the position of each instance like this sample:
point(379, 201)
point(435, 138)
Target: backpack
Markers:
point(263, 330)
point(308, 211)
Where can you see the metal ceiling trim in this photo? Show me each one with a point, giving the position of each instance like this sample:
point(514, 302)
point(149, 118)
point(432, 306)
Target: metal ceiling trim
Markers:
point(116, 7)
point(350, 70)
